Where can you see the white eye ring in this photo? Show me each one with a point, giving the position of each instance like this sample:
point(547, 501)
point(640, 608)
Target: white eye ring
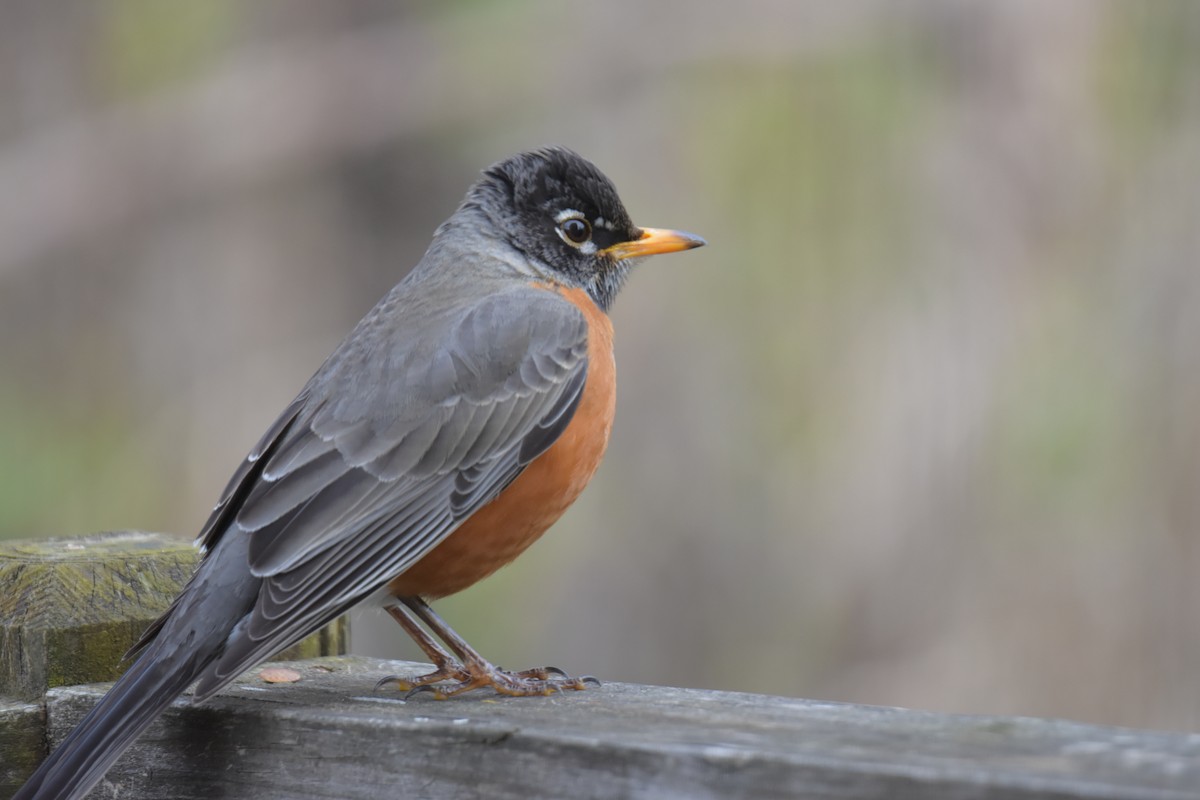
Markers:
point(574, 229)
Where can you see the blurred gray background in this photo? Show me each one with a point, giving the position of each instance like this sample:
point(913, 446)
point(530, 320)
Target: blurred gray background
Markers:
point(921, 426)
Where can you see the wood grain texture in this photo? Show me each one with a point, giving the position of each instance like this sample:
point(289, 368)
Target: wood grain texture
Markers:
point(71, 607)
point(22, 742)
point(331, 736)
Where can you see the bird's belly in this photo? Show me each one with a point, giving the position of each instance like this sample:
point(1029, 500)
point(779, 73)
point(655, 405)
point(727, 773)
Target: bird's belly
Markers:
point(501, 530)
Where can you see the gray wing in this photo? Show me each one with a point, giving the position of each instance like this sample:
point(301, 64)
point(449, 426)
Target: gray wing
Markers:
point(392, 444)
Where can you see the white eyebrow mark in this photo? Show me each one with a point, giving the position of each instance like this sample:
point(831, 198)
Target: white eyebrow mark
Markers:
point(566, 214)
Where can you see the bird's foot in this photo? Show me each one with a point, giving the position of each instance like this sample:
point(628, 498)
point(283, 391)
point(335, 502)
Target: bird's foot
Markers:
point(527, 683)
point(445, 672)
point(459, 680)
point(469, 670)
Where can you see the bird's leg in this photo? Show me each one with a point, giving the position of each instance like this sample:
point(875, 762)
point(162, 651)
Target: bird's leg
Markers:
point(472, 671)
point(447, 667)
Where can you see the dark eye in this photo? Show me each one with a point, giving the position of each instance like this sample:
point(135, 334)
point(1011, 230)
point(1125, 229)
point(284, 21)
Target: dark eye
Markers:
point(576, 230)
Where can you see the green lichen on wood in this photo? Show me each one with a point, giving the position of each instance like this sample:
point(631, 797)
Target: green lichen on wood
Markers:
point(55, 583)
point(71, 608)
point(90, 653)
point(22, 743)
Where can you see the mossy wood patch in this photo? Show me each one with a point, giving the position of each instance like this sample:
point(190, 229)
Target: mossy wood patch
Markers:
point(71, 608)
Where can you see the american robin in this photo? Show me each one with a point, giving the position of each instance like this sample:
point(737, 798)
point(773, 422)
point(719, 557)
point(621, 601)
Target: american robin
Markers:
point(457, 421)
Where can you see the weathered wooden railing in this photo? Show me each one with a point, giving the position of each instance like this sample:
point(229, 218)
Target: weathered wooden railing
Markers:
point(69, 608)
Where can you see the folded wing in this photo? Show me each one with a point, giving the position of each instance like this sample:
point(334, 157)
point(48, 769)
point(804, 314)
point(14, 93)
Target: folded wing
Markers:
point(393, 444)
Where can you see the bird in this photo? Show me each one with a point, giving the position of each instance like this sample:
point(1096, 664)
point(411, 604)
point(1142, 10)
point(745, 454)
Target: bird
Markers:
point(445, 434)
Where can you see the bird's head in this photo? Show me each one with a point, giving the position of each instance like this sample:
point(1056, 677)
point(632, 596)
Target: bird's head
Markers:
point(563, 214)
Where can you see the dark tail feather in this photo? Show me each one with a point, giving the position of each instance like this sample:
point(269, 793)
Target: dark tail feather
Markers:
point(141, 694)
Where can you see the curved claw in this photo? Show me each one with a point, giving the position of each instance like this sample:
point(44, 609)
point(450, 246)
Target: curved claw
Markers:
point(539, 673)
point(416, 690)
point(592, 679)
point(386, 679)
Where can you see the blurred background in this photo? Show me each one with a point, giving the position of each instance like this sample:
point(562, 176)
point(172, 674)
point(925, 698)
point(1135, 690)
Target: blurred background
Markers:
point(920, 427)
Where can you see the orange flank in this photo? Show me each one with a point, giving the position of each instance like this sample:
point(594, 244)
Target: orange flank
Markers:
point(502, 530)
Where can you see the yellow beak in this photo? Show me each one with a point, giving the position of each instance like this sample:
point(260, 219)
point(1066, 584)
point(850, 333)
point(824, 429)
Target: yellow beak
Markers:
point(652, 242)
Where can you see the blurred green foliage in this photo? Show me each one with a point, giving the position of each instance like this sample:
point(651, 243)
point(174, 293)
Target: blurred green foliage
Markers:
point(148, 46)
point(62, 473)
point(812, 170)
point(1146, 70)
point(919, 426)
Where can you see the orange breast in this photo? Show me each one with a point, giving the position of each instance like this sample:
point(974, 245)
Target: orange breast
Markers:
point(500, 531)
